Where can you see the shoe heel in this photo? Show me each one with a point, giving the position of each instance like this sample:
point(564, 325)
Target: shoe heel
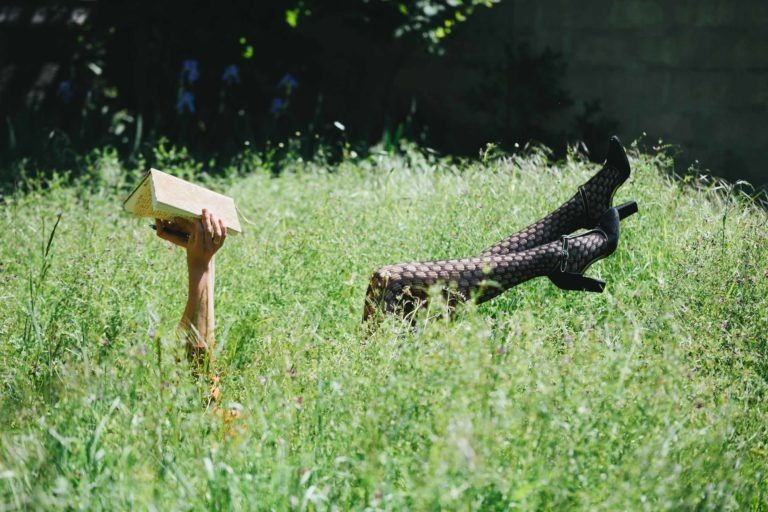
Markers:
point(576, 282)
point(627, 209)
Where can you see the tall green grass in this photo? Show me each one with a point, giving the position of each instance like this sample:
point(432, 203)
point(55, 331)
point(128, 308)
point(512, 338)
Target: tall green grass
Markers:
point(651, 396)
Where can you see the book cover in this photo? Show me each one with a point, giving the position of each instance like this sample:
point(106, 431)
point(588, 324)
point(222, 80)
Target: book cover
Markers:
point(160, 195)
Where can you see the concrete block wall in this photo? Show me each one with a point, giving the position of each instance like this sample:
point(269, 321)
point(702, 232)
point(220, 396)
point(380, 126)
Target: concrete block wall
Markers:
point(693, 72)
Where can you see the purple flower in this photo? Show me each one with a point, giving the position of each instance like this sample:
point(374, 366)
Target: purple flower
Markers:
point(231, 74)
point(288, 82)
point(65, 91)
point(186, 101)
point(189, 71)
point(277, 106)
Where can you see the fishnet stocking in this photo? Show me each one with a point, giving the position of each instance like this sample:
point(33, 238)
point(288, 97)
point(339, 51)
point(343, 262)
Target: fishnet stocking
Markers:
point(403, 288)
point(580, 211)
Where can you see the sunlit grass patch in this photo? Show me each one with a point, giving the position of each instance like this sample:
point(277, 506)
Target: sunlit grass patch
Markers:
point(649, 396)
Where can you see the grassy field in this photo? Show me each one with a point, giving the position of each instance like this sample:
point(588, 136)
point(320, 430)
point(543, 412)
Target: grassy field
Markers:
point(651, 396)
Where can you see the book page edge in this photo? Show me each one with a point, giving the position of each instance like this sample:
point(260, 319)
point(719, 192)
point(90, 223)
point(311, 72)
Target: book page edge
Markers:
point(136, 189)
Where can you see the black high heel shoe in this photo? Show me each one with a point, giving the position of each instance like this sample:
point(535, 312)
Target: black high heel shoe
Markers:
point(581, 211)
point(627, 209)
point(597, 193)
point(576, 260)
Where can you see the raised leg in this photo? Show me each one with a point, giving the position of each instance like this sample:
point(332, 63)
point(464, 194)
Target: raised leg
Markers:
point(402, 289)
point(580, 211)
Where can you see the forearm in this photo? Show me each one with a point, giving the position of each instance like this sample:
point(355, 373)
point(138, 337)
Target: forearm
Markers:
point(198, 321)
point(203, 238)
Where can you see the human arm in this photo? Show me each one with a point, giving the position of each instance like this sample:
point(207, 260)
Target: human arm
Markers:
point(204, 237)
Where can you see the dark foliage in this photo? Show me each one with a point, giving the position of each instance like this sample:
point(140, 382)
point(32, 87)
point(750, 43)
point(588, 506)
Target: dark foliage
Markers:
point(221, 77)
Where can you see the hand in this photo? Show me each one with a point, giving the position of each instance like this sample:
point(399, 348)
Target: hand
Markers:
point(175, 231)
point(201, 237)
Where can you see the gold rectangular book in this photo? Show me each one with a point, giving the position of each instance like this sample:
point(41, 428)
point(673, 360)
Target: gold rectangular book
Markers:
point(160, 195)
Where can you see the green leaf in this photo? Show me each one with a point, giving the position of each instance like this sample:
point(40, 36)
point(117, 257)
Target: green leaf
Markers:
point(292, 17)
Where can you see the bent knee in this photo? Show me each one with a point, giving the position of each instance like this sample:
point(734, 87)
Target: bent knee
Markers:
point(374, 296)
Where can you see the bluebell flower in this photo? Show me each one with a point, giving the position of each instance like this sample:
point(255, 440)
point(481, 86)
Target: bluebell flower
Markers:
point(65, 91)
point(190, 71)
point(277, 106)
point(186, 101)
point(231, 74)
point(288, 82)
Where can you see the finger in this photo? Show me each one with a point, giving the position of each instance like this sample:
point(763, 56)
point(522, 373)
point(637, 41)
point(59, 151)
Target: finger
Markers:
point(223, 227)
point(165, 232)
point(208, 229)
point(158, 227)
point(198, 232)
point(217, 232)
point(161, 225)
point(212, 234)
point(206, 218)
